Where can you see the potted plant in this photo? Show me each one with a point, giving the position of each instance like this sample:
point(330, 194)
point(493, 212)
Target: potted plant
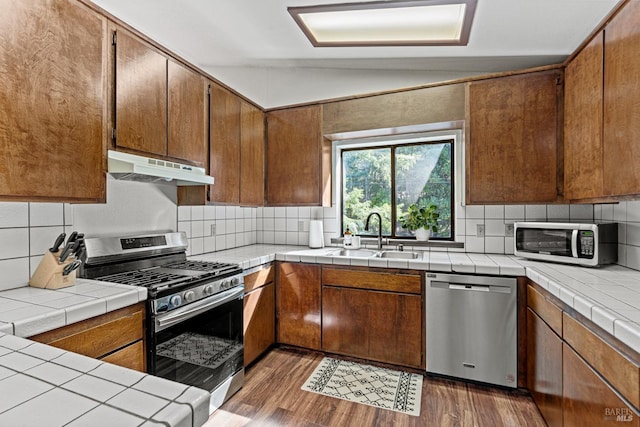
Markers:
point(423, 220)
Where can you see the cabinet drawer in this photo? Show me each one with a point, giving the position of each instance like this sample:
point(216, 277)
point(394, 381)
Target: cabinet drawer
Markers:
point(404, 283)
point(622, 373)
point(132, 357)
point(547, 310)
point(259, 278)
point(100, 335)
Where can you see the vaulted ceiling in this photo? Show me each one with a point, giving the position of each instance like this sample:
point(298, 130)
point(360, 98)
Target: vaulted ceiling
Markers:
point(255, 47)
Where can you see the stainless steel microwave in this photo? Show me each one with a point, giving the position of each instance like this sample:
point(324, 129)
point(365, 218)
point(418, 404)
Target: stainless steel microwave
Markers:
point(571, 243)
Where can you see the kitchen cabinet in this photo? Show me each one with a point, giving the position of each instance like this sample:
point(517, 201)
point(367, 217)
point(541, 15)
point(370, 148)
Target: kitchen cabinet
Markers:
point(298, 304)
point(159, 104)
point(296, 173)
point(53, 56)
point(259, 313)
point(583, 126)
point(187, 127)
point(115, 337)
point(512, 139)
point(252, 130)
point(373, 315)
point(544, 368)
point(225, 146)
point(577, 373)
point(621, 108)
point(141, 96)
point(588, 400)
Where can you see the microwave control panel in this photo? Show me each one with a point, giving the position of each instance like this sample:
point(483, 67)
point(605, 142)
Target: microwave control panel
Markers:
point(586, 244)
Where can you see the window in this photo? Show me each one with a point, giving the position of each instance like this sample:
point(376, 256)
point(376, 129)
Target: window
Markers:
point(387, 179)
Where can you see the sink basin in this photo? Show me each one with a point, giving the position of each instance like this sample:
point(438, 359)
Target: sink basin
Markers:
point(355, 252)
point(399, 255)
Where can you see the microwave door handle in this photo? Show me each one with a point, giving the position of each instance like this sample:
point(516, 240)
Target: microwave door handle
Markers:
point(574, 243)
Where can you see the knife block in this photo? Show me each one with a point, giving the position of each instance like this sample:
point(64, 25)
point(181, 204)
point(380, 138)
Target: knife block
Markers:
point(49, 272)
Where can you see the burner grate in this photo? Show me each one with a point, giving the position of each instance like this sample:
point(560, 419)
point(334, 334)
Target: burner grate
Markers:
point(141, 278)
point(201, 266)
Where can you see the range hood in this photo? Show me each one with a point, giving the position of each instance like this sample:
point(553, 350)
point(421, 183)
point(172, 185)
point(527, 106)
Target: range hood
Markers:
point(130, 167)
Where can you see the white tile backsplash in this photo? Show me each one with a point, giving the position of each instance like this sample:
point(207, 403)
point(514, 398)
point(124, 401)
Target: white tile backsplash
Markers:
point(14, 215)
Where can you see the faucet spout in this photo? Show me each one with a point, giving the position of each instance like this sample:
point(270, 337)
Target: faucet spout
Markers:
point(366, 227)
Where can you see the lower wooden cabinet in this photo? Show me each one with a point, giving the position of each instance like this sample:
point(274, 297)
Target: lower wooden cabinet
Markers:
point(259, 314)
point(115, 337)
point(373, 314)
point(298, 304)
point(544, 368)
point(373, 325)
point(588, 400)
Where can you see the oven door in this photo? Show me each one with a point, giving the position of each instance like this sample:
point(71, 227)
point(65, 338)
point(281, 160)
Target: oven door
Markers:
point(200, 344)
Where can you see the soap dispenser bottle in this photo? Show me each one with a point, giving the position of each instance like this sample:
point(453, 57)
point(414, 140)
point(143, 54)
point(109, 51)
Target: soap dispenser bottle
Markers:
point(347, 238)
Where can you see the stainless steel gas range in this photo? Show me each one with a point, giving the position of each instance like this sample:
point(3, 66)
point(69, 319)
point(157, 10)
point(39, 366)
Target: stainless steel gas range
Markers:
point(194, 309)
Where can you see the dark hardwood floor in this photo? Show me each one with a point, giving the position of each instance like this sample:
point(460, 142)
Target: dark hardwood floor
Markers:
point(271, 396)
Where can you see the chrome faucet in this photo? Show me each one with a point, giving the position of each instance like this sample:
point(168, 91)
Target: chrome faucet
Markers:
point(366, 227)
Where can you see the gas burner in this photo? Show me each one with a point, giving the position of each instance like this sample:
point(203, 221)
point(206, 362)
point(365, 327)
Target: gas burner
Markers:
point(144, 278)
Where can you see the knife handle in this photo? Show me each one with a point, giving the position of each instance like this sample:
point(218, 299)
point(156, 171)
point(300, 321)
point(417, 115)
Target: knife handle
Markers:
point(57, 243)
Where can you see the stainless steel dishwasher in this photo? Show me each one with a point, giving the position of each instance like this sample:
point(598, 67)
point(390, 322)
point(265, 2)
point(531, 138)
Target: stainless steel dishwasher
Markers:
point(471, 327)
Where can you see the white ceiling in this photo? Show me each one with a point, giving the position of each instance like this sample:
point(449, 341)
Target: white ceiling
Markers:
point(255, 47)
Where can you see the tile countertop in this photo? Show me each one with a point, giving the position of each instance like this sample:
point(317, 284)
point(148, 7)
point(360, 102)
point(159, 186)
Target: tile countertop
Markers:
point(43, 385)
point(28, 311)
point(609, 296)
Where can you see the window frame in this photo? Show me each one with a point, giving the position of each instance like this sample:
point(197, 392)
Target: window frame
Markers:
point(426, 140)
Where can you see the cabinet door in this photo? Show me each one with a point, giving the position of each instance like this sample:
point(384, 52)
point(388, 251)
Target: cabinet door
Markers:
point(52, 91)
point(294, 162)
point(141, 96)
point(512, 139)
point(225, 146)
point(587, 399)
point(251, 155)
point(187, 129)
point(381, 326)
point(298, 304)
point(583, 123)
point(259, 322)
point(621, 106)
point(544, 368)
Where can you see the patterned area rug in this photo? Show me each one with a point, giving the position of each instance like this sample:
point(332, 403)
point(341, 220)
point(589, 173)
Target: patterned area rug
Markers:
point(383, 388)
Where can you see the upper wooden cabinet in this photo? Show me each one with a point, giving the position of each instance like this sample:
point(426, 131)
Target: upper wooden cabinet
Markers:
point(295, 174)
point(52, 98)
point(225, 146)
point(187, 127)
point(251, 155)
point(141, 96)
point(512, 142)
point(621, 106)
point(237, 150)
point(159, 104)
point(583, 123)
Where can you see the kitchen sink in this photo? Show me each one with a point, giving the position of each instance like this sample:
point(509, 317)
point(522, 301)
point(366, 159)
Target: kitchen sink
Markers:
point(355, 252)
point(399, 254)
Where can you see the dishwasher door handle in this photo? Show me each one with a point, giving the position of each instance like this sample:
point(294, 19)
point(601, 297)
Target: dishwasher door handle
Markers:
point(470, 287)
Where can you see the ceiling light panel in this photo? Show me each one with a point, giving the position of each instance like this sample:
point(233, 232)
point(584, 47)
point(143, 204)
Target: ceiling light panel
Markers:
point(419, 22)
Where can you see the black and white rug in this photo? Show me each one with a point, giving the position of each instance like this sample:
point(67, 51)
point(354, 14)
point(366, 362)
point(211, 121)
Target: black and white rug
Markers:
point(383, 388)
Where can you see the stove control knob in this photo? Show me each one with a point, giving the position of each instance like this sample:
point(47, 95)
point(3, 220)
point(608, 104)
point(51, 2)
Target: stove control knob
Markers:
point(189, 296)
point(175, 301)
point(225, 285)
point(235, 281)
point(208, 290)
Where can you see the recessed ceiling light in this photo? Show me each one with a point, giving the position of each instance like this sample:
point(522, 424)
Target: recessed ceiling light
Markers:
point(387, 23)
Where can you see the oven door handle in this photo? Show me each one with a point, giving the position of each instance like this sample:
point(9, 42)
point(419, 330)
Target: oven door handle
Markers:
point(178, 315)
